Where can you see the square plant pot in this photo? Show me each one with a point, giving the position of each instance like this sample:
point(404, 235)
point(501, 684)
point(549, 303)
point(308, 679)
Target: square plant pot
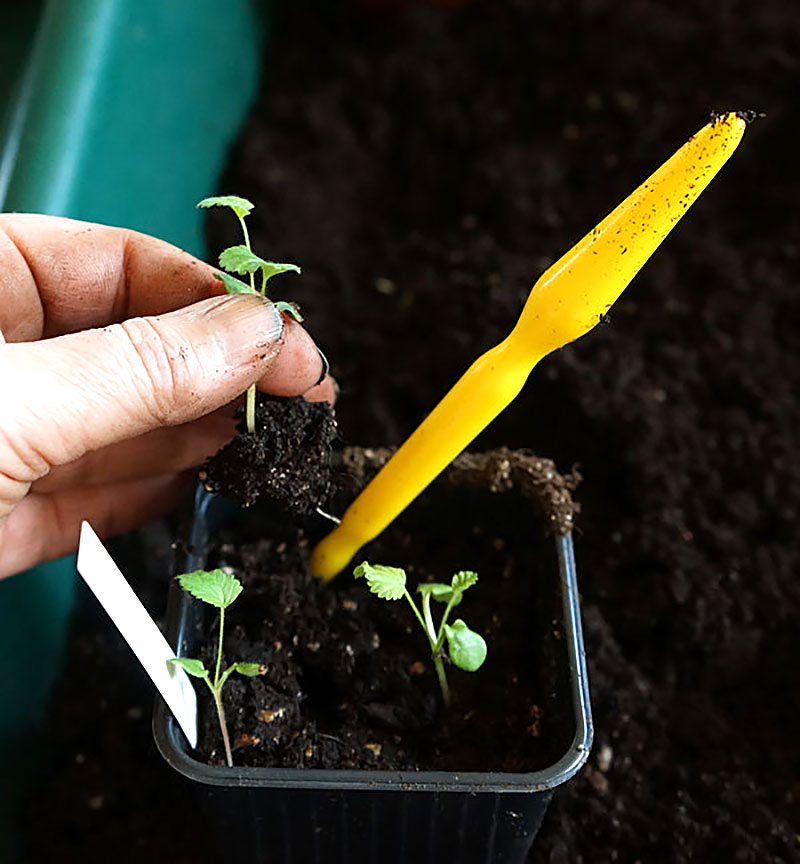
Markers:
point(309, 815)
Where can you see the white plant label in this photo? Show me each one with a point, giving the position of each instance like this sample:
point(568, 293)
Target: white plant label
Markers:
point(138, 629)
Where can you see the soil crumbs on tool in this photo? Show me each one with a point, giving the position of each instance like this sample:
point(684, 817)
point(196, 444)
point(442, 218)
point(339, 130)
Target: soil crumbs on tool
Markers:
point(424, 165)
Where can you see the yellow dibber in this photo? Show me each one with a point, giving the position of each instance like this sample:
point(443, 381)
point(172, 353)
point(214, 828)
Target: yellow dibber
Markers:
point(566, 302)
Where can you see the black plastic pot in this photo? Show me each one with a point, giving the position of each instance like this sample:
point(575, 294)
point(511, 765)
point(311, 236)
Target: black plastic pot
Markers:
point(314, 816)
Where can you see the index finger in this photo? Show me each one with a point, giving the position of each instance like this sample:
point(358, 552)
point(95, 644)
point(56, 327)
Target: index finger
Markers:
point(61, 275)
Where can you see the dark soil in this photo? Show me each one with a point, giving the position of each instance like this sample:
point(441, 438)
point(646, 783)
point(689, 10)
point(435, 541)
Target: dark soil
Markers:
point(287, 459)
point(349, 681)
point(424, 165)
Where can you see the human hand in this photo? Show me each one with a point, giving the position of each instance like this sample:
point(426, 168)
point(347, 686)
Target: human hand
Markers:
point(101, 424)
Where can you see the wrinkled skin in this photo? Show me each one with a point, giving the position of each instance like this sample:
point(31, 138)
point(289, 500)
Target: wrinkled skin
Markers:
point(121, 363)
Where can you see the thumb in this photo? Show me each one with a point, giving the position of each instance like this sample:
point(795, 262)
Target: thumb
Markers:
point(66, 396)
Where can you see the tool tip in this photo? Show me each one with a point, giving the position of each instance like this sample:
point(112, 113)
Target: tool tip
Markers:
point(329, 559)
point(746, 115)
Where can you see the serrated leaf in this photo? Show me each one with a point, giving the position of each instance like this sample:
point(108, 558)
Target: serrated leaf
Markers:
point(239, 259)
point(249, 669)
point(232, 284)
point(192, 667)
point(467, 648)
point(215, 587)
point(290, 308)
point(387, 582)
point(463, 579)
point(240, 206)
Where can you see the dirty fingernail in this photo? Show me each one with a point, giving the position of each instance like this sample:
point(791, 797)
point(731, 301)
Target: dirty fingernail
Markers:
point(248, 327)
point(326, 366)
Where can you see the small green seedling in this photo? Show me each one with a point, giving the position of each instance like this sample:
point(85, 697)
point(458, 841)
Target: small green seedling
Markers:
point(467, 649)
point(220, 589)
point(242, 260)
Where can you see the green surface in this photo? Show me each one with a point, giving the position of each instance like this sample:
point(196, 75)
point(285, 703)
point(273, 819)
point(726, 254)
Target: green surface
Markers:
point(122, 114)
point(33, 612)
point(16, 34)
point(125, 98)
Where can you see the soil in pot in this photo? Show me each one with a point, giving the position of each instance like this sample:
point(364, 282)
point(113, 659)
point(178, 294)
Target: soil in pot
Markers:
point(350, 682)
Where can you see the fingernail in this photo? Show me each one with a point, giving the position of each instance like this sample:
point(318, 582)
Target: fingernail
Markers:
point(250, 327)
point(326, 367)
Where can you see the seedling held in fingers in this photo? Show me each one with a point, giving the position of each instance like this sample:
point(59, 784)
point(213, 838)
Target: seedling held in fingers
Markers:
point(242, 260)
point(219, 589)
point(467, 649)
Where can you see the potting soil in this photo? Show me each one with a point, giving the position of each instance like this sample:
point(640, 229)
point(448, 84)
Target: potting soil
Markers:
point(286, 459)
point(349, 681)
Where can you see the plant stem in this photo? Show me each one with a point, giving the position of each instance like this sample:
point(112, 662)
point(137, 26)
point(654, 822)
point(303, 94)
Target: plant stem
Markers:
point(426, 608)
point(440, 640)
point(217, 691)
point(437, 662)
point(436, 646)
point(250, 411)
point(416, 612)
point(223, 726)
point(244, 231)
point(219, 647)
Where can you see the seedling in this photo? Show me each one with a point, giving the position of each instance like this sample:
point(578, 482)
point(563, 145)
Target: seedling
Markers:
point(467, 649)
point(242, 260)
point(219, 589)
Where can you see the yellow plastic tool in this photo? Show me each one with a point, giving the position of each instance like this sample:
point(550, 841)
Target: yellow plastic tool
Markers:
point(567, 301)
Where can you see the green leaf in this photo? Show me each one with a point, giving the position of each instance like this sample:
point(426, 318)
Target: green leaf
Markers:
point(437, 590)
point(215, 587)
point(194, 668)
point(232, 284)
point(240, 206)
point(463, 579)
point(290, 308)
point(249, 669)
point(443, 593)
point(387, 582)
point(239, 259)
point(467, 648)
point(273, 268)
